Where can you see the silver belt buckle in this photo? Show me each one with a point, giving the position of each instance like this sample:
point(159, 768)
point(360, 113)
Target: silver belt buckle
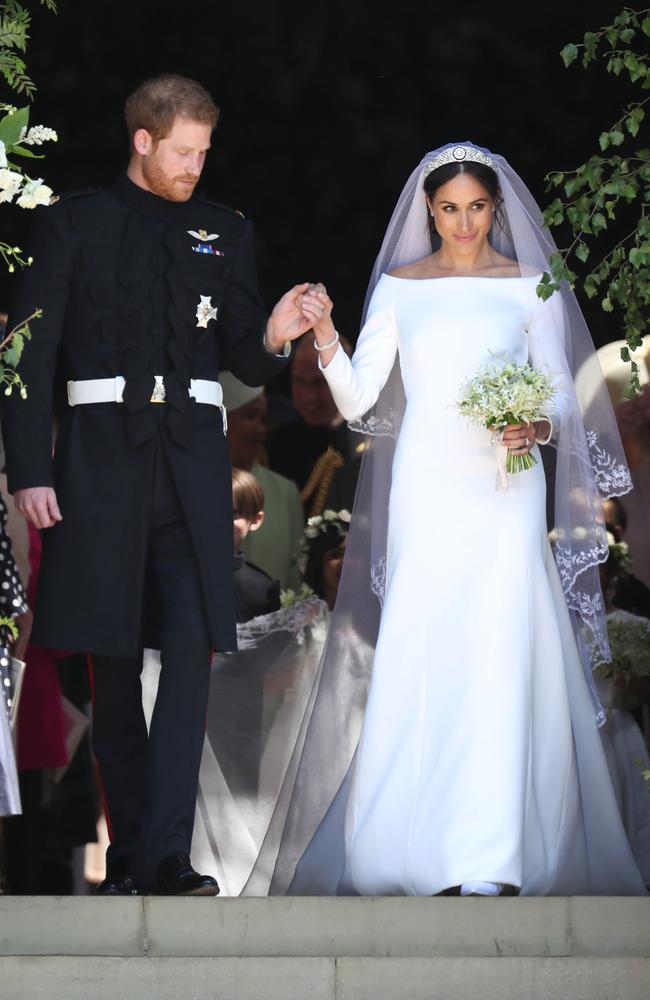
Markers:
point(158, 394)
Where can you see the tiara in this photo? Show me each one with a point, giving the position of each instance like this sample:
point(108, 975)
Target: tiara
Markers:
point(457, 154)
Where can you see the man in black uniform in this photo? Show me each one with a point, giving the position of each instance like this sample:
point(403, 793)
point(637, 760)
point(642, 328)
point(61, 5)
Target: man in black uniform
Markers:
point(147, 291)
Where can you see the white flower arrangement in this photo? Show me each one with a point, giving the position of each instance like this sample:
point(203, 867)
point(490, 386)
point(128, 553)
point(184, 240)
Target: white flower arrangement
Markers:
point(16, 186)
point(508, 394)
point(321, 524)
point(290, 597)
point(10, 183)
point(619, 554)
point(15, 136)
point(34, 192)
point(37, 135)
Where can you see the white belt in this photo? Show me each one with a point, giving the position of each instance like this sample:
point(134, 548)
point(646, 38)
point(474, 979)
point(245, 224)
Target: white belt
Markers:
point(111, 390)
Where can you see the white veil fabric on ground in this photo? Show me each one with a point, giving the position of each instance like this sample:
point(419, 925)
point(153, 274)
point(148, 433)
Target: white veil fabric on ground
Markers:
point(258, 699)
point(589, 465)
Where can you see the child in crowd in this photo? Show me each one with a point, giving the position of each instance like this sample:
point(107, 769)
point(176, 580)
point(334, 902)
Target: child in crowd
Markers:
point(322, 552)
point(256, 593)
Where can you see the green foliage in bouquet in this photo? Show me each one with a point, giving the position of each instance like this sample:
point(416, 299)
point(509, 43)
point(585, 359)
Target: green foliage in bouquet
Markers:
point(590, 197)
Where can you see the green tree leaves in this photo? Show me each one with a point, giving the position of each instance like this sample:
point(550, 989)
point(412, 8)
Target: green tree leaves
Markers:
point(589, 198)
point(15, 22)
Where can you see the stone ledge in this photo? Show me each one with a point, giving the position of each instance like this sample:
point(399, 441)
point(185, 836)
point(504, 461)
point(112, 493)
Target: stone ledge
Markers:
point(302, 927)
point(78, 978)
point(610, 925)
point(81, 978)
point(71, 925)
point(486, 979)
point(374, 927)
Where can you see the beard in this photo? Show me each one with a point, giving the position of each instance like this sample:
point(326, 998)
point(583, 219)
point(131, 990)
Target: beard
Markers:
point(164, 185)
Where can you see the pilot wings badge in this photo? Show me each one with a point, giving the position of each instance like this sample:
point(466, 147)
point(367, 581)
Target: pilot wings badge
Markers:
point(205, 242)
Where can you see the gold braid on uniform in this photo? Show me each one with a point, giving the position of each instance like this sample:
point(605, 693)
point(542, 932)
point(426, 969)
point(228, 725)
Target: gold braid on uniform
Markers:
point(320, 480)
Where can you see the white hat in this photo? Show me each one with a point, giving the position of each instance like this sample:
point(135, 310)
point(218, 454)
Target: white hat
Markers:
point(235, 393)
point(616, 372)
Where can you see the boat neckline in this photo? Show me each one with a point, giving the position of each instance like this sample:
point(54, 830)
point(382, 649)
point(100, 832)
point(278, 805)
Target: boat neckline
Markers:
point(457, 277)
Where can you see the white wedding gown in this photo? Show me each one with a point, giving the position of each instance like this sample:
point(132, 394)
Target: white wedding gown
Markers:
point(479, 757)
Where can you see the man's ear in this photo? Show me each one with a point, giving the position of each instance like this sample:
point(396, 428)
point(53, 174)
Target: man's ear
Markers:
point(142, 142)
point(257, 521)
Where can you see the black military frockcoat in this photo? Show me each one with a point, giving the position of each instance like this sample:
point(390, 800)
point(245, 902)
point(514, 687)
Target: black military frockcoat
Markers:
point(119, 281)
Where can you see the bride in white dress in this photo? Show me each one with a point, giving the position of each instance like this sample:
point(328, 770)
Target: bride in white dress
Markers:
point(479, 767)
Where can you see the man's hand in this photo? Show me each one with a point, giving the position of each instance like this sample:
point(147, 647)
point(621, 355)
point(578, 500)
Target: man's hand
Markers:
point(287, 321)
point(38, 504)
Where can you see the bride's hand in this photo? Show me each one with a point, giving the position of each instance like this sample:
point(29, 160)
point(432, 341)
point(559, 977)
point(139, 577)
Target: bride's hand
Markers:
point(317, 308)
point(520, 438)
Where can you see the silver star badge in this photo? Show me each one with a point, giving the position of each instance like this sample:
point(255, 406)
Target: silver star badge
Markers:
point(205, 311)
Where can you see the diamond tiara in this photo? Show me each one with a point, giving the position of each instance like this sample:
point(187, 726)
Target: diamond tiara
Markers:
point(458, 154)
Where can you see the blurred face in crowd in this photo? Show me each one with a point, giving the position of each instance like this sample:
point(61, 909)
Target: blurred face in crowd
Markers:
point(309, 390)
point(612, 520)
point(171, 167)
point(332, 568)
point(247, 432)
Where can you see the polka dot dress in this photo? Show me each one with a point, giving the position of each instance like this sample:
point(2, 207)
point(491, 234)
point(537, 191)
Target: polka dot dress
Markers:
point(12, 603)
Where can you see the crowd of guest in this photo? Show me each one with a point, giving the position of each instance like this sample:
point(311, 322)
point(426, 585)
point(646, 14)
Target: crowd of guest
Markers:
point(295, 466)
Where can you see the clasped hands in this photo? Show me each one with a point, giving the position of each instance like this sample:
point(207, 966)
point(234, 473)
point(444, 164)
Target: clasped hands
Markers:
point(304, 307)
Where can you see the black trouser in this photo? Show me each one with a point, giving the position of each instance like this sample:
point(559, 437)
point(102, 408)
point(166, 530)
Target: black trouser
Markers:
point(150, 780)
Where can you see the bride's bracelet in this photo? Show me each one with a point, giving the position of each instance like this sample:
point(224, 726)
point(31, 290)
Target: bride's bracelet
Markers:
point(325, 347)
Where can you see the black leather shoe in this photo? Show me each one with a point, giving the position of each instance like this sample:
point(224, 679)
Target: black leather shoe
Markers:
point(119, 880)
point(176, 877)
point(117, 886)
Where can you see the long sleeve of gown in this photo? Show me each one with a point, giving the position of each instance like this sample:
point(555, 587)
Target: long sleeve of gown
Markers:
point(356, 383)
point(546, 352)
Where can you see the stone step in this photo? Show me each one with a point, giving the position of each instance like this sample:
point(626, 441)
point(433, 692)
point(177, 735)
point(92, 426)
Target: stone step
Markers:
point(75, 948)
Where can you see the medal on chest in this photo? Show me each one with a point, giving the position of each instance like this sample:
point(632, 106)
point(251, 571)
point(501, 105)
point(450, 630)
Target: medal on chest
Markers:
point(205, 311)
point(205, 242)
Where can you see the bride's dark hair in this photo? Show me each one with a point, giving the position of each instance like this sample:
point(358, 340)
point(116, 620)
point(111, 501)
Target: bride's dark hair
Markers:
point(483, 174)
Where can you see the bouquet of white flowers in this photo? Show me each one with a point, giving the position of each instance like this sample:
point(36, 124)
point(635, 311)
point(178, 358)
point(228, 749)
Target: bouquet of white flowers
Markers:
point(508, 394)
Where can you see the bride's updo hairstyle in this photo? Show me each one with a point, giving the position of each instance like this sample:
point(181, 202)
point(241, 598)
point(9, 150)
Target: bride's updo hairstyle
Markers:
point(485, 175)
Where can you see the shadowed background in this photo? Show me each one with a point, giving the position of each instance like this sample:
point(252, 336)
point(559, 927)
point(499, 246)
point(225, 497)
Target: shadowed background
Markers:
point(326, 109)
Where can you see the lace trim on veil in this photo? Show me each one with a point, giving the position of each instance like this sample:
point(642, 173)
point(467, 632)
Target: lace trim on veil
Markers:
point(311, 614)
point(612, 477)
point(376, 426)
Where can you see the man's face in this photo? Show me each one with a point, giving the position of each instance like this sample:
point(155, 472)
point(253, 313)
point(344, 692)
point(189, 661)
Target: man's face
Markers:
point(247, 430)
point(309, 390)
point(172, 166)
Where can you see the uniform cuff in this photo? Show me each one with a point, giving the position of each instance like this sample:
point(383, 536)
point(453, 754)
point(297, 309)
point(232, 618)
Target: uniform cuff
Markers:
point(286, 350)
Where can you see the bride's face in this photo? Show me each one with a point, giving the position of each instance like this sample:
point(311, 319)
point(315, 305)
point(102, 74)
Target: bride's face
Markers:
point(462, 211)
